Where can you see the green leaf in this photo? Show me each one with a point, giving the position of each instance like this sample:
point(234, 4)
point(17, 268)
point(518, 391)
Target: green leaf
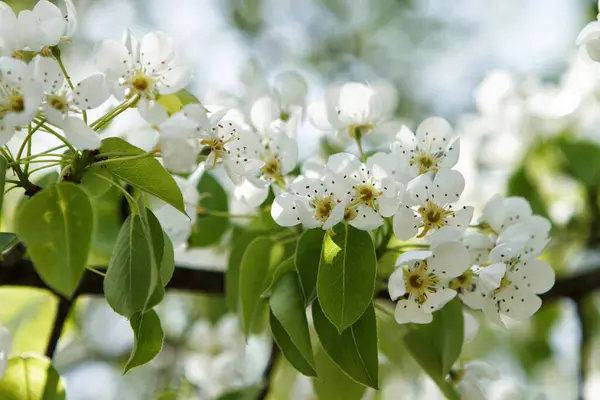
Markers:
point(174, 102)
point(436, 346)
point(521, 184)
point(582, 161)
point(209, 229)
point(31, 377)
point(346, 278)
point(128, 282)
point(155, 232)
point(250, 393)
point(289, 349)
point(167, 265)
point(145, 174)
point(96, 181)
point(287, 306)
point(7, 240)
point(56, 226)
point(239, 243)
point(285, 266)
point(254, 277)
point(355, 349)
point(307, 259)
point(332, 382)
point(149, 337)
point(3, 168)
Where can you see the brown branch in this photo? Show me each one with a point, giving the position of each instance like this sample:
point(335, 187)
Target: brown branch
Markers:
point(212, 281)
point(62, 313)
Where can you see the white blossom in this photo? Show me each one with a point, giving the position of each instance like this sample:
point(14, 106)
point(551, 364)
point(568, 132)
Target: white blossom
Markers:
point(20, 96)
point(373, 193)
point(354, 108)
point(62, 105)
point(313, 202)
point(147, 68)
point(5, 347)
point(429, 205)
point(430, 149)
point(589, 40)
point(471, 378)
point(422, 280)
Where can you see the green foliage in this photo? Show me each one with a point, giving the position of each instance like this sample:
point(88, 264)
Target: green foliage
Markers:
point(346, 278)
point(239, 243)
point(145, 173)
point(56, 226)
point(287, 307)
point(281, 270)
point(174, 102)
point(3, 168)
point(94, 181)
point(437, 346)
point(250, 393)
point(254, 277)
point(355, 349)
point(7, 240)
point(332, 382)
point(131, 273)
point(582, 161)
point(149, 337)
point(522, 184)
point(307, 259)
point(31, 378)
point(164, 257)
point(209, 229)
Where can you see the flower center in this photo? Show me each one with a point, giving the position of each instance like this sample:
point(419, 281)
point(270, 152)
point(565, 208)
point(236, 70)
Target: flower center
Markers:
point(463, 282)
point(58, 103)
point(433, 217)
point(355, 130)
point(16, 102)
point(366, 193)
point(284, 116)
point(425, 161)
point(323, 208)
point(350, 213)
point(419, 283)
point(140, 83)
point(272, 170)
point(505, 282)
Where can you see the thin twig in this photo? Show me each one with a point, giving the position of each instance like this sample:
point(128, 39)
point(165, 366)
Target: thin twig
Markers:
point(60, 318)
point(268, 373)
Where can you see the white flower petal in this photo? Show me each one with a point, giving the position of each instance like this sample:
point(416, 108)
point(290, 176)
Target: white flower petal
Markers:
point(396, 286)
point(448, 185)
point(343, 163)
point(252, 195)
point(405, 223)
point(452, 155)
point(491, 276)
point(319, 117)
point(410, 256)
point(336, 216)
point(449, 260)
point(291, 88)
point(353, 102)
point(179, 155)
point(432, 134)
point(284, 210)
point(494, 212)
point(48, 73)
point(536, 275)
point(132, 45)
point(367, 219)
point(80, 135)
point(462, 218)
point(517, 209)
point(70, 16)
point(50, 22)
point(409, 311)
point(306, 216)
point(91, 92)
point(471, 326)
point(113, 56)
point(387, 206)
point(156, 51)
point(264, 111)
point(15, 71)
point(480, 370)
point(174, 79)
point(155, 114)
point(517, 304)
point(506, 251)
point(437, 300)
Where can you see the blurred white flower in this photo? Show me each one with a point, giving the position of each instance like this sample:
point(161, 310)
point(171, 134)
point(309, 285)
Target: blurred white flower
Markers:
point(5, 347)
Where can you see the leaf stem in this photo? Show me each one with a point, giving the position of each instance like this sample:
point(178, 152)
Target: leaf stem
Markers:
point(132, 203)
point(137, 157)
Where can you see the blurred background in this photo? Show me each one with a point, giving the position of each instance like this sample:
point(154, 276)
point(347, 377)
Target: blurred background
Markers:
point(507, 74)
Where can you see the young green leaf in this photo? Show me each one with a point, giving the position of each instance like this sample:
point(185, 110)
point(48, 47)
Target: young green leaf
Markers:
point(128, 282)
point(355, 349)
point(145, 173)
point(307, 259)
point(3, 167)
point(56, 226)
point(155, 232)
point(285, 266)
point(149, 337)
point(174, 102)
point(31, 377)
point(7, 240)
point(289, 350)
point(254, 278)
point(332, 382)
point(287, 306)
point(239, 243)
point(437, 346)
point(346, 278)
point(209, 229)
point(96, 181)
